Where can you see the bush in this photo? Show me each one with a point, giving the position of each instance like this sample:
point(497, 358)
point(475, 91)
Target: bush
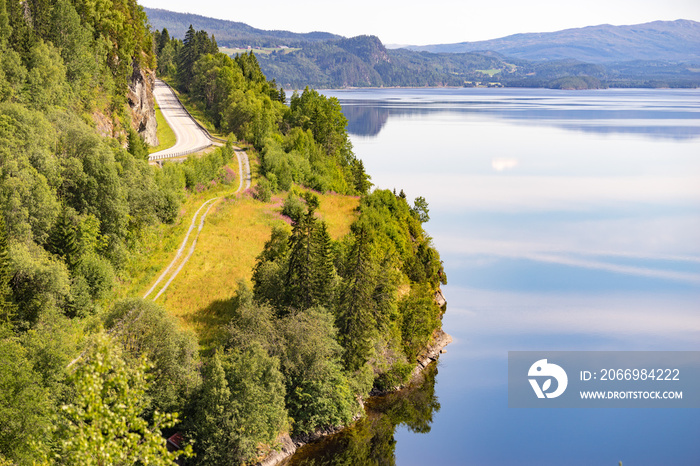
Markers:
point(98, 274)
point(293, 207)
point(394, 377)
point(263, 190)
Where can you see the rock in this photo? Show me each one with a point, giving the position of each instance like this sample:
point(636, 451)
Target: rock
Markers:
point(287, 449)
point(142, 104)
point(440, 298)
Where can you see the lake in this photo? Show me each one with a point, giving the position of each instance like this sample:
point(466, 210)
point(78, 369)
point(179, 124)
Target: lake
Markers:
point(567, 220)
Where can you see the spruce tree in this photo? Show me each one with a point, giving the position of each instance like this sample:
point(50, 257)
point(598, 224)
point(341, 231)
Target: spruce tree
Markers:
point(7, 308)
point(299, 284)
point(63, 241)
point(355, 314)
point(324, 270)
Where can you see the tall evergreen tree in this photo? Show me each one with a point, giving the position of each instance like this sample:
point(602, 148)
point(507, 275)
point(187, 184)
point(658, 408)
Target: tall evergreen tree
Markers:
point(355, 319)
point(302, 249)
point(163, 39)
point(7, 308)
point(5, 29)
point(63, 241)
point(324, 270)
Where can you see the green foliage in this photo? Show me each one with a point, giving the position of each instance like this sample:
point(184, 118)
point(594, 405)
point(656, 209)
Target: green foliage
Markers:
point(25, 404)
point(145, 330)
point(318, 392)
point(310, 271)
point(195, 45)
point(136, 145)
point(41, 284)
point(419, 317)
point(251, 323)
point(420, 209)
point(104, 423)
point(293, 207)
point(396, 376)
point(63, 240)
point(270, 269)
point(240, 405)
point(7, 307)
point(98, 274)
point(356, 303)
point(263, 190)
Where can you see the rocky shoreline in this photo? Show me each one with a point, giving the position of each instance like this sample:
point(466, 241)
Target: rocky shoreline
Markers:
point(289, 445)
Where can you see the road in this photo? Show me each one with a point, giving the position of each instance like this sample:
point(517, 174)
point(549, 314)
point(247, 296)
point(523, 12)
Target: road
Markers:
point(244, 176)
point(190, 137)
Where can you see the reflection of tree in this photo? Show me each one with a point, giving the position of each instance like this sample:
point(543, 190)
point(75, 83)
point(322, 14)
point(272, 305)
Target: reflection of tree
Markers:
point(371, 440)
point(365, 119)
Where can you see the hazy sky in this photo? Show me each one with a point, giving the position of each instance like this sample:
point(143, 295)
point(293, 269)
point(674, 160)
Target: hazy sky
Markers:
point(432, 22)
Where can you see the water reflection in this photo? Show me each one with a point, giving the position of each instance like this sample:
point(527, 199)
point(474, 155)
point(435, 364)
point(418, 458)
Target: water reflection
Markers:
point(602, 111)
point(371, 440)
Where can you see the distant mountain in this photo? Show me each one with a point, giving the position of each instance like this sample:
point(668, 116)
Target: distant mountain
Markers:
point(659, 40)
point(229, 33)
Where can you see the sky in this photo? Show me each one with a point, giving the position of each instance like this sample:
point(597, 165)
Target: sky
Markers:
point(412, 22)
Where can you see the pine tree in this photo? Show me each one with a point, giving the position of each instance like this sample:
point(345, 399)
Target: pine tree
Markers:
point(63, 241)
point(299, 285)
point(5, 29)
point(7, 308)
point(211, 425)
point(163, 40)
point(355, 321)
point(324, 270)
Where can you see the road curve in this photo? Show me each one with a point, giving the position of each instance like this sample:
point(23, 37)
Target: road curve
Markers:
point(190, 136)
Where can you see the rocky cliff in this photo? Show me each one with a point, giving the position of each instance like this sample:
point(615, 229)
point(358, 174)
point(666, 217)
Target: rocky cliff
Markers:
point(142, 104)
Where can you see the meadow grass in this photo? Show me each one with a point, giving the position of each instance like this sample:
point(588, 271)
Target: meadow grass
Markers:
point(234, 233)
point(166, 135)
point(491, 72)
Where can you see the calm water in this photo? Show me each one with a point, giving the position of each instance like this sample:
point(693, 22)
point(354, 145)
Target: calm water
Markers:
point(566, 221)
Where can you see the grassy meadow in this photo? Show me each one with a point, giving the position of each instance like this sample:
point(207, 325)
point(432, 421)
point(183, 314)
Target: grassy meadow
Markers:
point(166, 136)
point(234, 233)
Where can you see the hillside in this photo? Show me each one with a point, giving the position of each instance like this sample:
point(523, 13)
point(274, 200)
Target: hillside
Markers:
point(229, 33)
point(659, 40)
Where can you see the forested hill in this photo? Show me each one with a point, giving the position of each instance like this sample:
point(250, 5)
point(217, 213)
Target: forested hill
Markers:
point(651, 55)
point(229, 33)
point(659, 40)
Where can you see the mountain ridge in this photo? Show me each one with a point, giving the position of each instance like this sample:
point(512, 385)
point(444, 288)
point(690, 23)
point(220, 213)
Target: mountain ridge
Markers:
point(227, 32)
point(677, 40)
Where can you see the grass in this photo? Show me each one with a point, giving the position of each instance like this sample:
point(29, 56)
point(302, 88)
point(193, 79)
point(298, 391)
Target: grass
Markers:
point(235, 232)
point(166, 135)
point(491, 72)
point(338, 212)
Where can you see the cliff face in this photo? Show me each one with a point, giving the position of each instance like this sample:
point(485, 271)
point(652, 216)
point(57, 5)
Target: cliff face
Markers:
point(142, 104)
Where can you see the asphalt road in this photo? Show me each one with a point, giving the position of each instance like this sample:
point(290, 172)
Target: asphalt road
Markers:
point(190, 137)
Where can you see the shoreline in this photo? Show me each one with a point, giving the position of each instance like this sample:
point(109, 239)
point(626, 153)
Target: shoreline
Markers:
point(291, 444)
